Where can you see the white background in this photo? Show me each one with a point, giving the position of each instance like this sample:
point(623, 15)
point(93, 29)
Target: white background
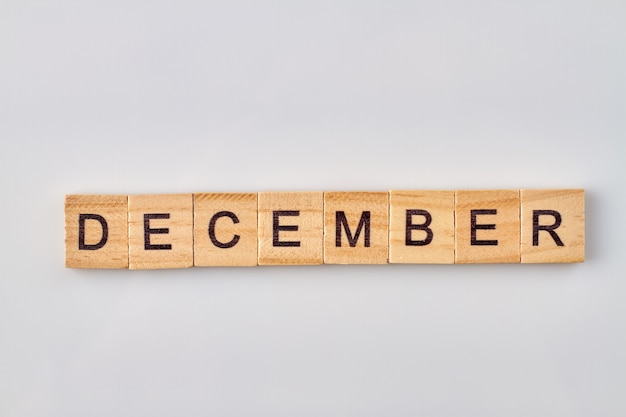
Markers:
point(179, 96)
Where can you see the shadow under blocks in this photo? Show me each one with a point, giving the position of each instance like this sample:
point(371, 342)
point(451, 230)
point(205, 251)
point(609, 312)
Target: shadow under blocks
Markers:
point(314, 227)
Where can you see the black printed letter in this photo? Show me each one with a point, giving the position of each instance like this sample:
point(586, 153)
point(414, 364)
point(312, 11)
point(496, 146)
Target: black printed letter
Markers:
point(276, 227)
point(81, 231)
point(424, 226)
point(364, 223)
point(216, 242)
point(475, 227)
point(147, 231)
point(549, 229)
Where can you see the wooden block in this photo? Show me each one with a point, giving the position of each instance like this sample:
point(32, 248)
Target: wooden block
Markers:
point(160, 231)
point(553, 226)
point(96, 231)
point(356, 227)
point(487, 226)
point(291, 228)
point(225, 229)
point(421, 227)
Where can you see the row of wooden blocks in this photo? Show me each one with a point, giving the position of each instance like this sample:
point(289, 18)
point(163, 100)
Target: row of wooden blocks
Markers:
point(309, 228)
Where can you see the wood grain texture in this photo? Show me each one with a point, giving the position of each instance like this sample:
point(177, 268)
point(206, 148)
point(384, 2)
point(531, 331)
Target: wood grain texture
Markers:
point(175, 231)
point(438, 247)
point(506, 232)
point(290, 228)
point(566, 204)
point(349, 210)
point(231, 220)
point(113, 210)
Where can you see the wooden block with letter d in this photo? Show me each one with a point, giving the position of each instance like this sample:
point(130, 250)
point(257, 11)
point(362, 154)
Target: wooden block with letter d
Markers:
point(553, 226)
point(96, 231)
point(160, 231)
point(291, 228)
point(356, 227)
point(421, 227)
point(487, 226)
point(225, 229)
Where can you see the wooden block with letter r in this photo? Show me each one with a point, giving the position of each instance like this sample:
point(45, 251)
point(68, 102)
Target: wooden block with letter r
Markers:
point(421, 227)
point(96, 231)
point(291, 228)
point(487, 226)
point(225, 229)
point(356, 227)
point(160, 229)
point(553, 226)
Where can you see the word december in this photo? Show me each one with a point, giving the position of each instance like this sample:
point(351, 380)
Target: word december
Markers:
point(305, 228)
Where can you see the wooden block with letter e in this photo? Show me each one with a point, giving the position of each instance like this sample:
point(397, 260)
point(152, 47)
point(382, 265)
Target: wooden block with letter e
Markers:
point(487, 226)
point(160, 231)
point(291, 228)
point(225, 229)
point(553, 226)
point(421, 227)
point(356, 227)
point(96, 231)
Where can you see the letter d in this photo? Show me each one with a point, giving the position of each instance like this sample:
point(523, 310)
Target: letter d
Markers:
point(81, 231)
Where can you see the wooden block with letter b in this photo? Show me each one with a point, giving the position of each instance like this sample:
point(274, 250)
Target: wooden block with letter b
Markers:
point(225, 229)
point(96, 231)
point(160, 231)
point(487, 226)
point(553, 226)
point(356, 227)
point(421, 227)
point(291, 228)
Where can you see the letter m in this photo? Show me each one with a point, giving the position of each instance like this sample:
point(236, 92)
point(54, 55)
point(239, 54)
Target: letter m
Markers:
point(342, 222)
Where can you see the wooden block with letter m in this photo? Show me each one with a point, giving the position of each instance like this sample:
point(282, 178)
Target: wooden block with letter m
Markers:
point(356, 227)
